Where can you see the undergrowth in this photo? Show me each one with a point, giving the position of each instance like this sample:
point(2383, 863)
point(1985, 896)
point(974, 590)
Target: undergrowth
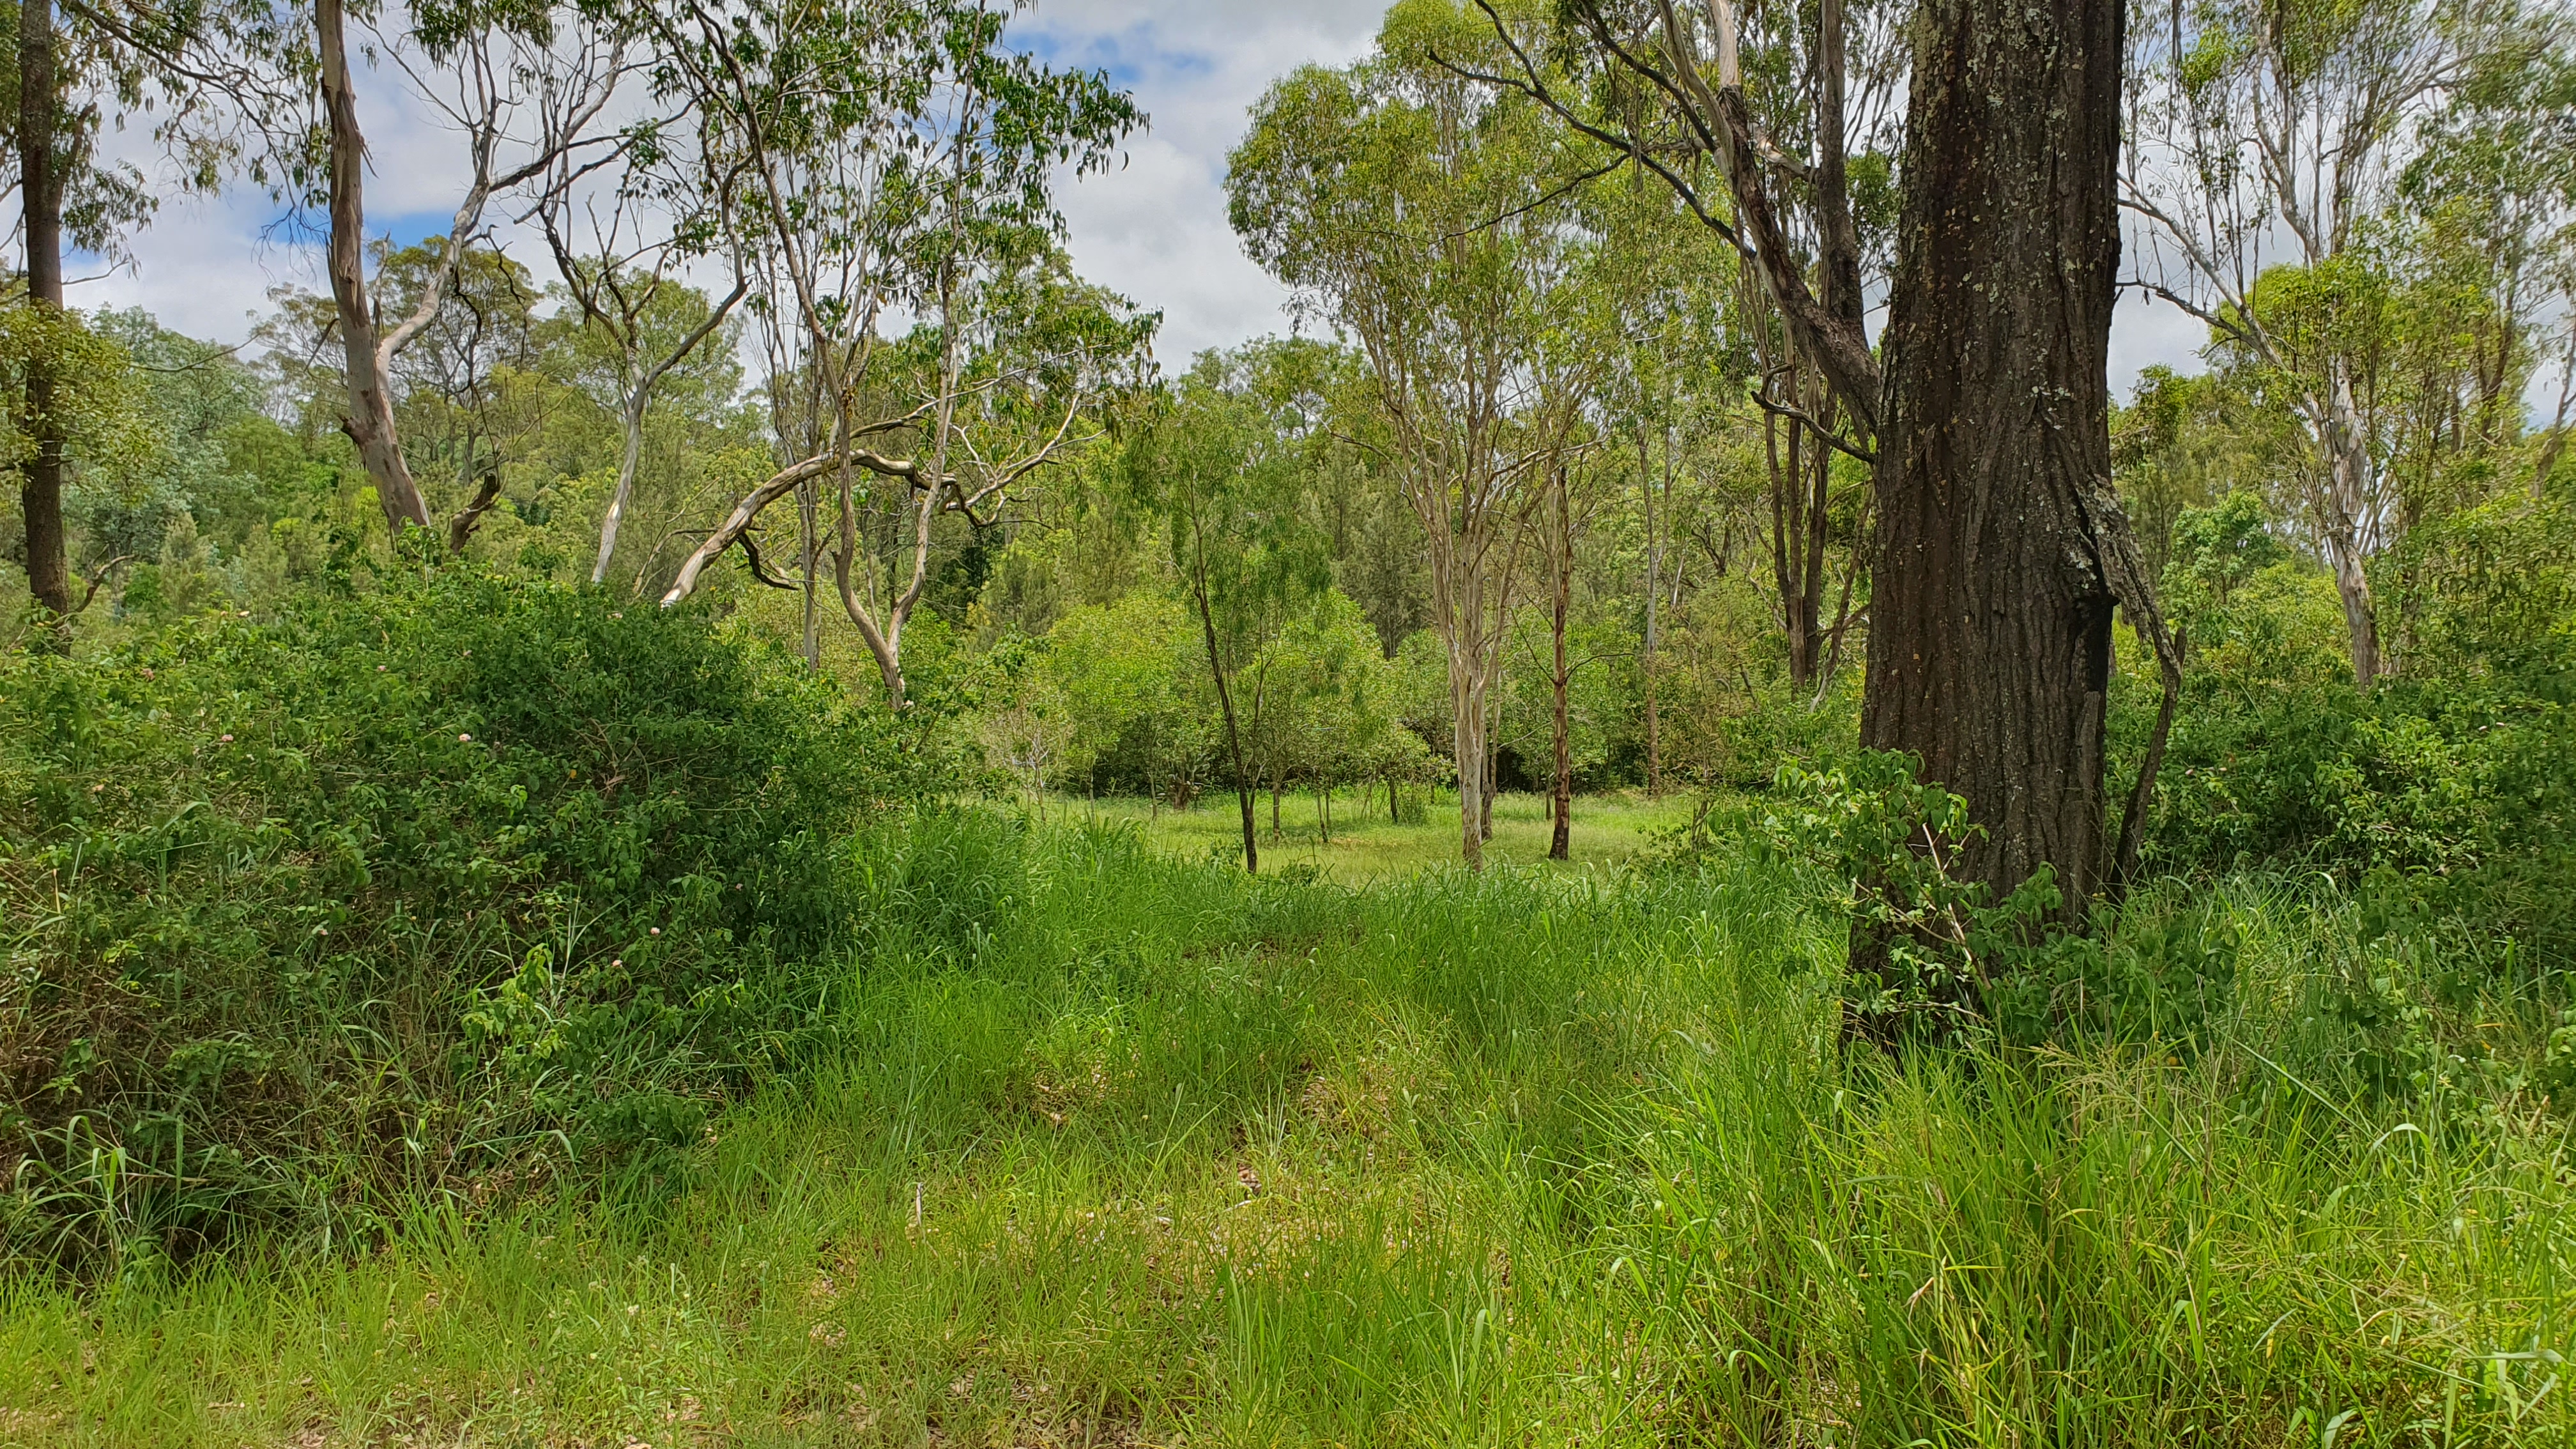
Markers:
point(446, 887)
point(1113, 1148)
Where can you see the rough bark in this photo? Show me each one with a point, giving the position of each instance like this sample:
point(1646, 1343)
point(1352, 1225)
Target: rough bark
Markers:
point(370, 421)
point(1998, 550)
point(1467, 700)
point(40, 192)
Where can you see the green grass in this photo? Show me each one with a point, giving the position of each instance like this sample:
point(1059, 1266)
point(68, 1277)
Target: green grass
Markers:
point(1366, 847)
point(1162, 1155)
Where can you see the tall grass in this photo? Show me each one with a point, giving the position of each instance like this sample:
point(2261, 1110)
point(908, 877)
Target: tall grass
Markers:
point(1103, 1147)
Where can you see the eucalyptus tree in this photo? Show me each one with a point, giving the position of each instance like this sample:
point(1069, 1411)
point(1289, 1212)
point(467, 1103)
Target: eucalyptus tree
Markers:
point(202, 80)
point(620, 253)
point(886, 157)
point(527, 84)
point(2000, 552)
point(2272, 146)
point(453, 387)
point(1665, 284)
point(1425, 214)
point(1223, 462)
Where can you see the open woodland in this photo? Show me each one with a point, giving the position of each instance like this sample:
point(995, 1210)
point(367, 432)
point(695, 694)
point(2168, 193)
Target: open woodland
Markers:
point(747, 821)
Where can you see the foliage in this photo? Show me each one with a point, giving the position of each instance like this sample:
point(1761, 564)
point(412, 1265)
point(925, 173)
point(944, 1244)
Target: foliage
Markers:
point(97, 409)
point(1187, 1156)
point(2451, 791)
point(421, 889)
point(1885, 841)
point(1128, 673)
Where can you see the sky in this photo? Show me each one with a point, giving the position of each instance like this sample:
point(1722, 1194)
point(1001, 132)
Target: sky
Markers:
point(1154, 228)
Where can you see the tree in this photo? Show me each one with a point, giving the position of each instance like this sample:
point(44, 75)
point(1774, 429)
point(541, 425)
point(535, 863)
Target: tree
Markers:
point(198, 72)
point(626, 283)
point(1221, 462)
point(90, 408)
point(1420, 211)
point(2278, 136)
point(2000, 552)
point(1122, 671)
point(900, 156)
point(1332, 713)
point(490, 53)
point(1566, 509)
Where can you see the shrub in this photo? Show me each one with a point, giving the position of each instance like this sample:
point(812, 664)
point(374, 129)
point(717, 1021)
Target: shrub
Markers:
point(448, 885)
point(1884, 842)
point(2455, 797)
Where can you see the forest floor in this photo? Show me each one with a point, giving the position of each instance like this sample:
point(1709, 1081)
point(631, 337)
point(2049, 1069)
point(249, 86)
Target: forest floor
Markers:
point(1366, 847)
point(1169, 1156)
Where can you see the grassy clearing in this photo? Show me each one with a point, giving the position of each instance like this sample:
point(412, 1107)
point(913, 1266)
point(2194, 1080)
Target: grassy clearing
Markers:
point(1159, 1155)
point(1366, 847)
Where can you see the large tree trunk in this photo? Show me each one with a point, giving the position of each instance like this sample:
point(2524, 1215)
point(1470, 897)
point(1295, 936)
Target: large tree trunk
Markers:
point(1990, 638)
point(370, 423)
point(40, 191)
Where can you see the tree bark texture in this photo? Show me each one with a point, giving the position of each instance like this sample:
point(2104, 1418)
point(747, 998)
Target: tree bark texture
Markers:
point(370, 423)
point(40, 190)
point(1999, 547)
point(1467, 701)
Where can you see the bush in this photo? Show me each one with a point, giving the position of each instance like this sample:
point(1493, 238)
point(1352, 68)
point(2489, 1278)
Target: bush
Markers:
point(449, 886)
point(2452, 798)
point(2446, 795)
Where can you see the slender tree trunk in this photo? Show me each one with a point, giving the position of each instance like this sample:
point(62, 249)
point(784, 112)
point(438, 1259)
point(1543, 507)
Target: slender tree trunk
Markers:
point(1243, 783)
point(370, 422)
point(1654, 600)
point(1468, 742)
point(1990, 638)
point(639, 396)
point(1818, 481)
point(40, 192)
point(632, 417)
point(1786, 547)
point(1561, 797)
point(810, 543)
point(2347, 528)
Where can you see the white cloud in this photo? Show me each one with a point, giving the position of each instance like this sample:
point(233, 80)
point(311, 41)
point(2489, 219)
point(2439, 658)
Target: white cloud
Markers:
point(1154, 228)
point(2145, 331)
